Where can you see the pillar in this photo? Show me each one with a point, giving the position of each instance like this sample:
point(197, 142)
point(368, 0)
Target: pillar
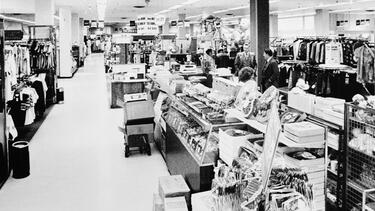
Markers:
point(45, 12)
point(166, 26)
point(75, 29)
point(274, 25)
point(65, 42)
point(182, 31)
point(259, 31)
point(322, 22)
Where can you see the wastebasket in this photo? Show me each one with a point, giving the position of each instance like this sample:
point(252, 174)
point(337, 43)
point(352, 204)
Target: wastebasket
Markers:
point(60, 95)
point(20, 159)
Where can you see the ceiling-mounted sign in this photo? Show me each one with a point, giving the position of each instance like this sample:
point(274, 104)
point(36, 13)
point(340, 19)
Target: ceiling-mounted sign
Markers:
point(86, 22)
point(160, 20)
point(101, 24)
point(13, 35)
point(94, 24)
point(174, 23)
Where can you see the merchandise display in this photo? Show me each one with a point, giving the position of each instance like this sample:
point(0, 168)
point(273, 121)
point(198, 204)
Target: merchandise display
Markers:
point(253, 105)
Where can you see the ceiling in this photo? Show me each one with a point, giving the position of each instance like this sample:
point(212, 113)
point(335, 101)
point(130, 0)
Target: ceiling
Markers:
point(123, 10)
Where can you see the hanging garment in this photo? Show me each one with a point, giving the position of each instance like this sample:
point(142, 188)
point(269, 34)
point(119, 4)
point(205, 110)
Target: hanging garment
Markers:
point(365, 68)
point(30, 112)
point(40, 105)
point(334, 54)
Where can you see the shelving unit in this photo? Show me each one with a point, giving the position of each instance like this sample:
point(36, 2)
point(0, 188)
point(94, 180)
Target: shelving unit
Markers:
point(360, 164)
point(282, 139)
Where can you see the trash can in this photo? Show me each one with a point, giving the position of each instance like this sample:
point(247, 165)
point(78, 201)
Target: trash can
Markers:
point(20, 159)
point(60, 95)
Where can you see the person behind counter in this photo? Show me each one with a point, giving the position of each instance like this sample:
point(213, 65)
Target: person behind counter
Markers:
point(270, 73)
point(247, 78)
point(244, 59)
point(222, 59)
point(209, 61)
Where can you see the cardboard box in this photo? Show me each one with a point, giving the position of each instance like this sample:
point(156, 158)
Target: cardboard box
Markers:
point(139, 129)
point(173, 186)
point(158, 203)
point(175, 204)
point(302, 102)
point(230, 145)
point(138, 110)
point(202, 201)
point(304, 129)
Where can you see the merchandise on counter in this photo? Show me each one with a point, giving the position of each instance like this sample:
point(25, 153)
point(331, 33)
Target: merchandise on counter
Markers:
point(303, 132)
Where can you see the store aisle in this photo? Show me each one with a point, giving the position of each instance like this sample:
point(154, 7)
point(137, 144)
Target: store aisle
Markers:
point(77, 159)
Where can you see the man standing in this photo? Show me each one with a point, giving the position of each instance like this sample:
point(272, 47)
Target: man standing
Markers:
point(270, 73)
point(244, 59)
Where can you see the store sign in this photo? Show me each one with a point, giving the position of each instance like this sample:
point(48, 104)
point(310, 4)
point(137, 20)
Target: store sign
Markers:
point(174, 23)
point(342, 23)
point(94, 24)
point(363, 22)
point(86, 23)
point(271, 141)
point(13, 35)
point(101, 24)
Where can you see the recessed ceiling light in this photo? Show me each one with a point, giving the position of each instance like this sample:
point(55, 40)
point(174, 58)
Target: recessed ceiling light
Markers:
point(139, 6)
point(370, 10)
point(229, 14)
point(124, 18)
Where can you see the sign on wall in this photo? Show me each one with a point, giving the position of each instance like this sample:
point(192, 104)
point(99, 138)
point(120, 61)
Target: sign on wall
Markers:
point(86, 23)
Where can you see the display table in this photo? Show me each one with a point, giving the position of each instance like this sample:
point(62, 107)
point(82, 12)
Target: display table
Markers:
point(180, 160)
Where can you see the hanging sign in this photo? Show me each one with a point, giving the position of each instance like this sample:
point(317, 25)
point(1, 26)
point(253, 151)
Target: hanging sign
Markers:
point(174, 23)
point(101, 24)
point(13, 35)
point(86, 23)
point(271, 141)
point(94, 24)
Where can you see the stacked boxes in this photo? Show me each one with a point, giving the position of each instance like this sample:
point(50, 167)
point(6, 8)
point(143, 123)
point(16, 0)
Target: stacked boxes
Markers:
point(306, 132)
point(174, 194)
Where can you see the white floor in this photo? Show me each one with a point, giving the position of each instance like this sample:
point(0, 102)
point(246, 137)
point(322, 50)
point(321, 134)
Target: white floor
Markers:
point(77, 159)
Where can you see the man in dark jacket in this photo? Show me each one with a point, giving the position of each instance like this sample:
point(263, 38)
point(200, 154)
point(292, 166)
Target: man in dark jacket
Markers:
point(270, 73)
point(245, 59)
point(222, 59)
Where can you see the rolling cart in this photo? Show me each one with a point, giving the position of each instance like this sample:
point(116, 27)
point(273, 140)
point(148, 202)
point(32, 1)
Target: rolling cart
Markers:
point(138, 124)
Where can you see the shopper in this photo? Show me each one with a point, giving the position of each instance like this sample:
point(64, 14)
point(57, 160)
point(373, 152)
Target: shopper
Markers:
point(245, 59)
point(247, 78)
point(209, 62)
point(222, 59)
point(270, 73)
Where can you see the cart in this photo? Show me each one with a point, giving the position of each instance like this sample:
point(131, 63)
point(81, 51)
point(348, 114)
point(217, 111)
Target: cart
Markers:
point(138, 126)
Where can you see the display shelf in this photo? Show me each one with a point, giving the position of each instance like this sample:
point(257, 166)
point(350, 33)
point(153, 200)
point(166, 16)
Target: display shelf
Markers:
point(263, 128)
point(332, 172)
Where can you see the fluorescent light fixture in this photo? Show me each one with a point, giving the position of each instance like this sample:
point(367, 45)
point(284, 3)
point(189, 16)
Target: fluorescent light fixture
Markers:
point(175, 7)
point(192, 17)
point(240, 8)
point(349, 10)
point(17, 20)
point(190, 2)
point(235, 17)
point(297, 15)
point(320, 6)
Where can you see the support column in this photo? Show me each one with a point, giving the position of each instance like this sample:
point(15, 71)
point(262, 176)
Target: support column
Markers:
point(182, 30)
point(65, 42)
point(274, 25)
point(260, 32)
point(166, 26)
point(45, 12)
point(75, 29)
point(322, 22)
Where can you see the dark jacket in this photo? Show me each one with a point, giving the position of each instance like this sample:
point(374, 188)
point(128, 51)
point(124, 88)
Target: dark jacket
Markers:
point(244, 60)
point(270, 75)
point(222, 61)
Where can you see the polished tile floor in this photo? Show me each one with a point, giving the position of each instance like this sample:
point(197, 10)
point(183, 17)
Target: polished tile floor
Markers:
point(77, 160)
